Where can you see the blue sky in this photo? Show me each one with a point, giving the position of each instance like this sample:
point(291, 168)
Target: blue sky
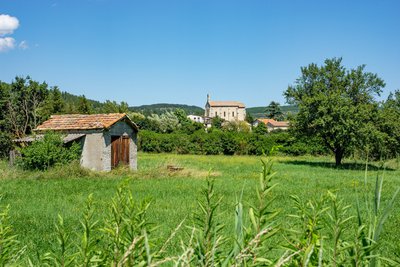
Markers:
point(168, 51)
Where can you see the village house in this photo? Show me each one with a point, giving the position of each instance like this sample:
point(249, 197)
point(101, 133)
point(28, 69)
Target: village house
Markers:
point(227, 110)
point(272, 124)
point(196, 118)
point(107, 140)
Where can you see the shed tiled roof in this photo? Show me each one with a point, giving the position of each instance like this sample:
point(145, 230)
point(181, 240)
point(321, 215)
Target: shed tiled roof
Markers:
point(226, 104)
point(69, 122)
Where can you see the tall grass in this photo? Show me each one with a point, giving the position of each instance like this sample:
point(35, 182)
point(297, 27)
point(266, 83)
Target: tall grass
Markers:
point(324, 232)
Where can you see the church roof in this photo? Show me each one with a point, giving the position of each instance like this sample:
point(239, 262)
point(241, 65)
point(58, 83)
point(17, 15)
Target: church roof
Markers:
point(226, 104)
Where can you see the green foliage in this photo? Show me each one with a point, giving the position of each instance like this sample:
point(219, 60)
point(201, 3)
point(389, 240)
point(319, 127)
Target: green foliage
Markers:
point(246, 195)
point(216, 122)
point(259, 112)
point(22, 101)
point(84, 106)
point(162, 108)
point(114, 107)
point(236, 126)
point(47, 152)
point(260, 129)
point(273, 111)
point(53, 104)
point(386, 142)
point(5, 144)
point(228, 143)
point(249, 118)
point(336, 105)
point(10, 250)
point(322, 233)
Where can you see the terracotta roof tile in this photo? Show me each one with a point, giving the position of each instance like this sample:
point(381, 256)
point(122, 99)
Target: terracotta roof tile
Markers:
point(226, 104)
point(80, 122)
point(279, 123)
point(274, 123)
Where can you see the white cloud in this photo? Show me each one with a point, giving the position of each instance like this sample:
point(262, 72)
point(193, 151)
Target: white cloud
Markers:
point(6, 44)
point(23, 45)
point(8, 24)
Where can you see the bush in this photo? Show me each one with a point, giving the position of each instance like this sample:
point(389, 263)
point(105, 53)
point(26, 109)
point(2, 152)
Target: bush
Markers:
point(217, 142)
point(47, 152)
point(5, 144)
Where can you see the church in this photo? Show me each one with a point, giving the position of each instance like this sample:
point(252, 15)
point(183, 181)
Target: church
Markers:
point(227, 110)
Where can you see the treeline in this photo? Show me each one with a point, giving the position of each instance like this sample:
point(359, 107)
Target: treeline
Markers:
point(162, 108)
point(219, 141)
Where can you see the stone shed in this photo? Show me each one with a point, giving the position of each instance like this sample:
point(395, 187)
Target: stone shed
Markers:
point(107, 140)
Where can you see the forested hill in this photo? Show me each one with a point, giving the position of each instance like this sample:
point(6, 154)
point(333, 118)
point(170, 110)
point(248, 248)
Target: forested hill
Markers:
point(163, 107)
point(259, 112)
point(255, 112)
point(71, 100)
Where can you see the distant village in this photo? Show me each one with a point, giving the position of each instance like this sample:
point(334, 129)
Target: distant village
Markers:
point(233, 111)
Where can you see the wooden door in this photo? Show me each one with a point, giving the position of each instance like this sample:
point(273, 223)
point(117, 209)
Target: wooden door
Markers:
point(119, 150)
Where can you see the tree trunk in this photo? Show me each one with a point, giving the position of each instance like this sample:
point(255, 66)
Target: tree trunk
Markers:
point(338, 156)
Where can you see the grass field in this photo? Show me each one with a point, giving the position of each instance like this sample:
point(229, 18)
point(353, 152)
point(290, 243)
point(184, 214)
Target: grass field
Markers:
point(36, 198)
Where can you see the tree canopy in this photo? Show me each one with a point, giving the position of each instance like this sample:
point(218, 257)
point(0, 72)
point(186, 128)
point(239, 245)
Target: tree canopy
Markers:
point(335, 104)
point(273, 111)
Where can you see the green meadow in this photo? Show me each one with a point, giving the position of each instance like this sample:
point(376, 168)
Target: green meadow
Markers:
point(36, 198)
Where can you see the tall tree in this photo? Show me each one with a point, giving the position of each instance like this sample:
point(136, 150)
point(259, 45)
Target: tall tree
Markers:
point(273, 111)
point(388, 122)
point(53, 104)
point(114, 107)
point(335, 104)
point(84, 106)
point(24, 98)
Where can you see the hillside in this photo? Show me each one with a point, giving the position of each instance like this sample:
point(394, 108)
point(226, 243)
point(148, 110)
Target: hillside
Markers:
point(71, 99)
point(259, 112)
point(164, 107)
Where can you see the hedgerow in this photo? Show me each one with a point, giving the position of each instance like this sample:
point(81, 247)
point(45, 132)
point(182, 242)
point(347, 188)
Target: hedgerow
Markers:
point(217, 142)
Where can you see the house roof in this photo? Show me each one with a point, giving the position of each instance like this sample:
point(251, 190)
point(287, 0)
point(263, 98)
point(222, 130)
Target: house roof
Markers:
point(68, 122)
point(226, 104)
point(274, 123)
point(279, 123)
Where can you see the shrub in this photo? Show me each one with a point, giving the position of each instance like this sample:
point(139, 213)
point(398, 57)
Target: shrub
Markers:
point(47, 152)
point(5, 144)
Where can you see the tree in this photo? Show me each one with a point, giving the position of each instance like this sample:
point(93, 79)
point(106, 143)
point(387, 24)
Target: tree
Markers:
point(236, 126)
point(249, 118)
point(114, 107)
point(388, 123)
point(53, 104)
point(335, 104)
point(23, 100)
point(261, 129)
point(274, 111)
point(216, 122)
point(84, 106)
